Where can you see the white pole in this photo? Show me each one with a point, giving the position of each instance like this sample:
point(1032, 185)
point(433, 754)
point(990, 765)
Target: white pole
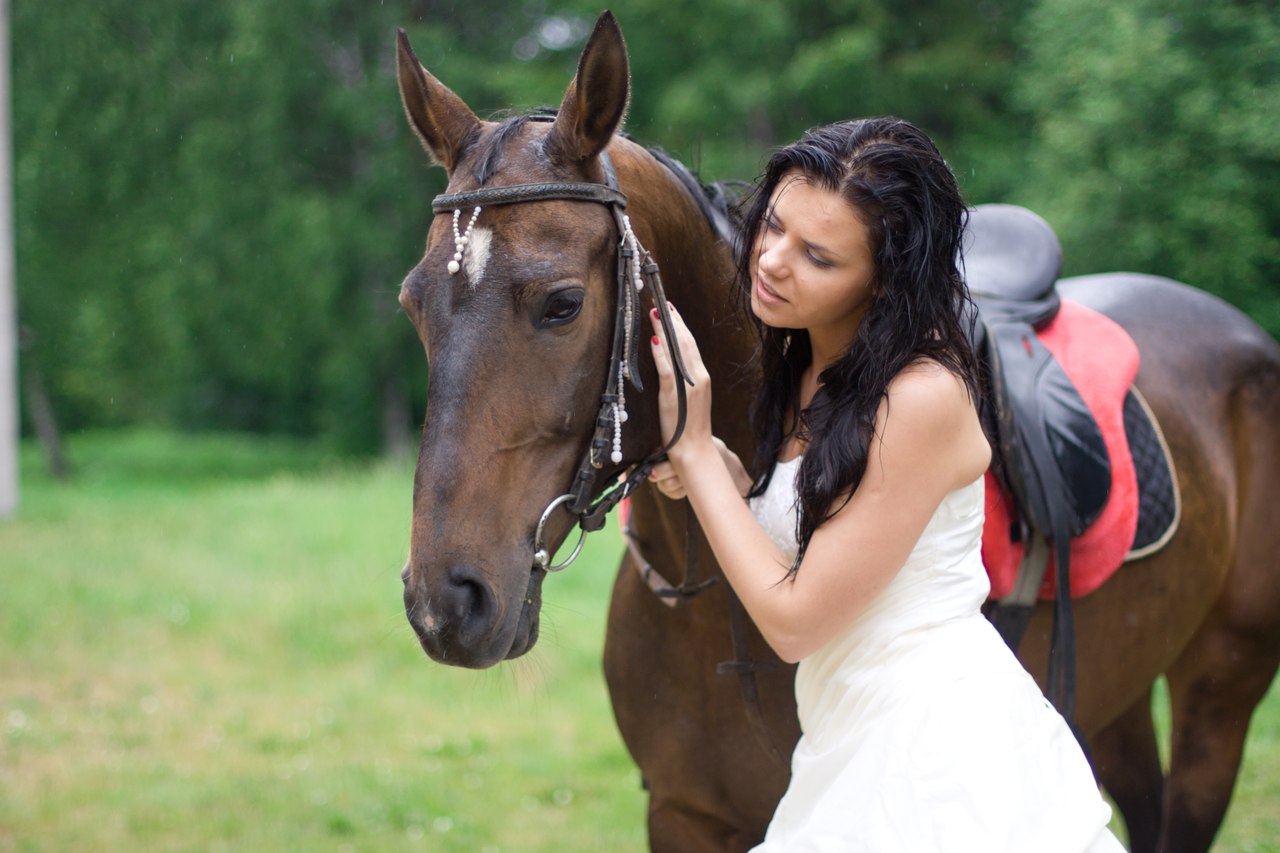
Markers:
point(8, 302)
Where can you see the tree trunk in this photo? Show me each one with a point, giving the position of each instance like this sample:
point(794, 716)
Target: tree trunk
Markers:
point(8, 301)
point(40, 408)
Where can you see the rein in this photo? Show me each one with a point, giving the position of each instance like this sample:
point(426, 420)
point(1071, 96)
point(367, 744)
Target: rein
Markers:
point(635, 269)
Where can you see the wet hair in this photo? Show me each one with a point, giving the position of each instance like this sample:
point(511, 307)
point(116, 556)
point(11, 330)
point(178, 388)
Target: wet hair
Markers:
point(899, 186)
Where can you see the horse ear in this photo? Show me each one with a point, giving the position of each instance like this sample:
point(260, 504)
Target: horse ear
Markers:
point(442, 121)
point(596, 100)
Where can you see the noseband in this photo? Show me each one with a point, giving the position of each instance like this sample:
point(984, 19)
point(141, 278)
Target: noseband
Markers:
point(635, 269)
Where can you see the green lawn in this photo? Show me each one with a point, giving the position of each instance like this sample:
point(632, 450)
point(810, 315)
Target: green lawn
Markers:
point(202, 648)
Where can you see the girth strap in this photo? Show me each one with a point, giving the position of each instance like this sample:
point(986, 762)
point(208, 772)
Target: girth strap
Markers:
point(1011, 614)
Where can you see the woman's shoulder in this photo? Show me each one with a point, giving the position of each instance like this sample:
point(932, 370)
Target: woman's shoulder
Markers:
point(932, 386)
point(929, 412)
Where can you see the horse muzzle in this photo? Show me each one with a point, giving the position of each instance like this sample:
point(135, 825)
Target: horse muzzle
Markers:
point(461, 620)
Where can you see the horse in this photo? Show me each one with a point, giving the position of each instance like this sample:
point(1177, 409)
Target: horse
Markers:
point(517, 306)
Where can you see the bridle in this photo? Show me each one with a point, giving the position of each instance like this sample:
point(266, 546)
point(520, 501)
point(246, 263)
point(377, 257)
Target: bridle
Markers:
point(635, 269)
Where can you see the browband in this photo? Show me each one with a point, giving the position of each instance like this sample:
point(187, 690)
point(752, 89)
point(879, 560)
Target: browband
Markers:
point(518, 193)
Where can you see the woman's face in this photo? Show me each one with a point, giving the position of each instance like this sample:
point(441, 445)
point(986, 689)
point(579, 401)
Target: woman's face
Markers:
point(813, 263)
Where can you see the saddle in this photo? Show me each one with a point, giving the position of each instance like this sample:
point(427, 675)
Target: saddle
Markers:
point(1050, 453)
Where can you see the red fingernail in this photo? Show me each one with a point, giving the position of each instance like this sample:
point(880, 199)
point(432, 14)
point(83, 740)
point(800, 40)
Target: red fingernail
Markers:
point(653, 312)
point(655, 340)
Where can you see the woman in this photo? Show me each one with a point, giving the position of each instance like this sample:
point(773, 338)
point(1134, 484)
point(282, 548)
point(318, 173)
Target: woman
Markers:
point(858, 552)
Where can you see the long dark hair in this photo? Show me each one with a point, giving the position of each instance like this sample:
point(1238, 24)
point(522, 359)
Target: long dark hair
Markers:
point(897, 183)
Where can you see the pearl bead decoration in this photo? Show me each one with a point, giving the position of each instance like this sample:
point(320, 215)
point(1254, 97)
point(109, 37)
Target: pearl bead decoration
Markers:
point(632, 257)
point(460, 240)
point(619, 418)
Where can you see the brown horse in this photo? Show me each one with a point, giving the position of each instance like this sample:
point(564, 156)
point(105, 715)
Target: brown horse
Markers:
point(519, 346)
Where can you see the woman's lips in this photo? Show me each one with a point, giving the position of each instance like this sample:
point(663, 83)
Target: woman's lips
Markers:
point(767, 294)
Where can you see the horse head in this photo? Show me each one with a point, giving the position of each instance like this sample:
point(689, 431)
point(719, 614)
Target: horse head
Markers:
point(515, 306)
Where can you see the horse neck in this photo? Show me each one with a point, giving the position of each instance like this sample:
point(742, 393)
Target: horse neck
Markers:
point(697, 273)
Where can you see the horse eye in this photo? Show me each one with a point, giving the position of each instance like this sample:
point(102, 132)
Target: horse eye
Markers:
point(561, 307)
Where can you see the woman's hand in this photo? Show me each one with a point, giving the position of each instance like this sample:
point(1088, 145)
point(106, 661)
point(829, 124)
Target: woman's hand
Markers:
point(667, 481)
point(696, 438)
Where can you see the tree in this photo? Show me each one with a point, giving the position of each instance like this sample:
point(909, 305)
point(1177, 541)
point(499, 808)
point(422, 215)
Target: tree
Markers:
point(8, 318)
point(215, 204)
point(1154, 140)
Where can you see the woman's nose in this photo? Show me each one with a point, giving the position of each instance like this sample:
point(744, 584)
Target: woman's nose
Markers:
point(771, 261)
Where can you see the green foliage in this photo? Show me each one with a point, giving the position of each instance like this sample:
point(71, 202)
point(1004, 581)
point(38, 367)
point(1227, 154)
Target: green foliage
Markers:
point(215, 204)
point(1155, 140)
point(720, 82)
point(215, 208)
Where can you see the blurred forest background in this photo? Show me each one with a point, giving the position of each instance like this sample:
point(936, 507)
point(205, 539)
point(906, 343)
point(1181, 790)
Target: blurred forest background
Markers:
point(215, 202)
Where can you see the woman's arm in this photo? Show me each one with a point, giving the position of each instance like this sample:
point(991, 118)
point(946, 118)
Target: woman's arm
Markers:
point(928, 442)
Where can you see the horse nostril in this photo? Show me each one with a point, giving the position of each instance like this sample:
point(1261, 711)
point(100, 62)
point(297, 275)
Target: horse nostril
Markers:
point(467, 601)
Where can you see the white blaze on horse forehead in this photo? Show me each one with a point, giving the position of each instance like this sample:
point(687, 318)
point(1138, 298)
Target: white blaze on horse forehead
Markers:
point(476, 258)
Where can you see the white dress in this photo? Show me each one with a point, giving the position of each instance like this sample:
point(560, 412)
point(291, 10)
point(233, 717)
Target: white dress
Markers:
point(921, 730)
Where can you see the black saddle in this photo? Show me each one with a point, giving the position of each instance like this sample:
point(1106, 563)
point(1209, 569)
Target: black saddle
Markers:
point(1050, 451)
point(1011, 264)
point(1012, 260)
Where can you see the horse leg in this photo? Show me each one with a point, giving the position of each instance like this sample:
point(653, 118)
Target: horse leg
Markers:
point(1127, 762)
point(1214, 688)
point(1227, 668)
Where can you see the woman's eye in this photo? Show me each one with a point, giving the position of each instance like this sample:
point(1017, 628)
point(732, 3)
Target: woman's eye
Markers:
point(819, 262)
point(561, 308)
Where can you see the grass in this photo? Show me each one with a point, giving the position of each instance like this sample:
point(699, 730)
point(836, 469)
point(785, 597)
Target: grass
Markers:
point(202, 648)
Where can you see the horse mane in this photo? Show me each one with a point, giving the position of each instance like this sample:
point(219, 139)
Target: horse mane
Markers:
point(718, 202)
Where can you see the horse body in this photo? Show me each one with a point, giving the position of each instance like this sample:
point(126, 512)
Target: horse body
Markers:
point(1204, 611)
point(713, 781)
point(511, 410)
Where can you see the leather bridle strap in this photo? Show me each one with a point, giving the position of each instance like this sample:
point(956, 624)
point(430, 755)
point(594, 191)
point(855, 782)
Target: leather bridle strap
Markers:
point(623, 357)
point(592, 515)
point(520, 193)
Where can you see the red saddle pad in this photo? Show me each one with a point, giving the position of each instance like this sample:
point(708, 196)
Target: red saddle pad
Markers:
point(1102, 361)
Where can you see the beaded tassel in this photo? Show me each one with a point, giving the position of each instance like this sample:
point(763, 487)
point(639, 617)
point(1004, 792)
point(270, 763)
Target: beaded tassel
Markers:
point(636, 280)
point(460, 240)
point(633, 251)
point(619, 418)
point(630, 259)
